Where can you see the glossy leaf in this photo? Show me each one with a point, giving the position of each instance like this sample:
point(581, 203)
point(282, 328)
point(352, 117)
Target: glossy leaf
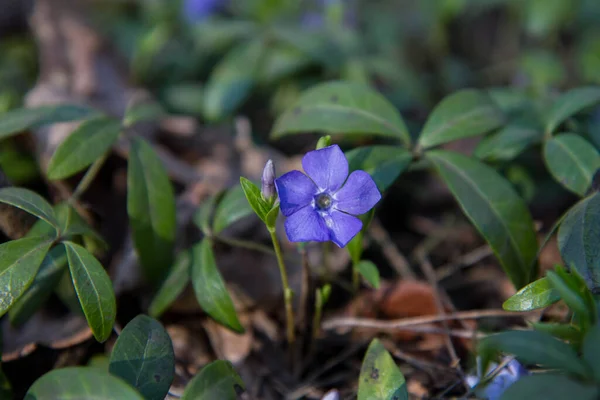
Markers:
point(19, 263)
point(537, 294)
point(549, 387)
point(462, 114)
point(94, 290)
point(573, 295)
point(591, 351)
point(147, 110)
point(218, 380)
point(232, 207)
point(493, 206)
point(143, 357)
point(232, 80)
point(29, 201)
point(571, 103)
point(50, 272)
point(342, 107)
point(151, 209)
point(561, 331)
point(370, 272)
point(85, 145)
point(254, 197)
point(210, 289)
point(80, 383)
point(383, 163)
point(173, 286)
point(578, 238)
point(572, 161)
point(380, 378)
point(19, 120)
point(533, 347)
point(507, 143)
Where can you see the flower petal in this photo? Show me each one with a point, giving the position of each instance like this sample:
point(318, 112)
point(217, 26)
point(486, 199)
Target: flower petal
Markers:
point(328, 167)
point(342, 227)
point(306, 225)
point(295, 191)
point(358, 195)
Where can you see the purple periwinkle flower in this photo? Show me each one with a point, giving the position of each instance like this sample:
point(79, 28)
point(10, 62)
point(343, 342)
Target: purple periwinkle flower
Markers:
point(198, 10)
point(511, 373)
point(322, 205)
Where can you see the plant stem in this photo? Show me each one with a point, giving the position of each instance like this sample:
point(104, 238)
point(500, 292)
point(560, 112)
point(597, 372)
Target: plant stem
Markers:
point(316, 326)
point(89, 176)
point(355, 278)
point(287, 292)
point(244, 244)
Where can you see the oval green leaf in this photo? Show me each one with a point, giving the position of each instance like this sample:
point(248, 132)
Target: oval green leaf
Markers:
point(210, 289)
point(254, 197)
point(143, 357)
point(578, 238)
point(462, 114)
point(85, 145)
point(19, 120)
point(151, 209)
point(30, 202)
point(533, 347)
point(383, 163)
point(591, 350)
point(20, 261)
point(380, 378)
point(232, 207)
point(507, 143)
point(571, 103)
point(47, 278)
point(493, 206)
point(232, 80)
point(549, 387)
point(572, 161)
point(218, 380)
point(342, 107)
point(94, 290)
point(370, 272)
point(538, 294)
point(203, 217)
point(81, 383)
point(173, 286)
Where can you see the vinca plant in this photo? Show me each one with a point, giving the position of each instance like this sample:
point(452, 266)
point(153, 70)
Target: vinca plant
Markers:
point(332, 200)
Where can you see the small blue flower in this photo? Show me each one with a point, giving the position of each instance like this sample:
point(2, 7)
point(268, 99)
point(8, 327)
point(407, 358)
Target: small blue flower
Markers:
point(198, 10)
point(321, 207)
point(507, 376)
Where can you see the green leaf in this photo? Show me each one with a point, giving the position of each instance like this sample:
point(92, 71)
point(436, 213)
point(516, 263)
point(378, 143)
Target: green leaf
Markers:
point(147, 110)
point(232, 80)
point(571, 103)
point(99, 361)
point(493, 206)
point(29, 201)
point(355, 248)
point(380, 378)
point(85, 145)
point(47, 278)
point(143, 357)
point(533, 347)
point(232, 207)
point(463, 114)
point(19, 263)
point(578, 238)
point(151, 209)
point(19, 120)
point(383, 163)
point(566, 332)
point(507, 143)
point(572, 161)
point(591, 351)
point(537, 294)
point(370, 272)
point(342, 107)
point(202, 218)
point(80, 383)
point(94, 290)
point(254, 197)
point(271, 218)
point(173, 286)
point(549, 387)
point(210, 289)
point(218, 380)
point(571, 294)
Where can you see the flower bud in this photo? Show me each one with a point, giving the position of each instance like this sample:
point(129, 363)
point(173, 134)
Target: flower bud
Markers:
point(268, 182)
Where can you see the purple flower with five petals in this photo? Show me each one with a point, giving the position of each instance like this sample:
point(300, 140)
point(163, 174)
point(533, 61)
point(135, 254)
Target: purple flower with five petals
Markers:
point(322, 205)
